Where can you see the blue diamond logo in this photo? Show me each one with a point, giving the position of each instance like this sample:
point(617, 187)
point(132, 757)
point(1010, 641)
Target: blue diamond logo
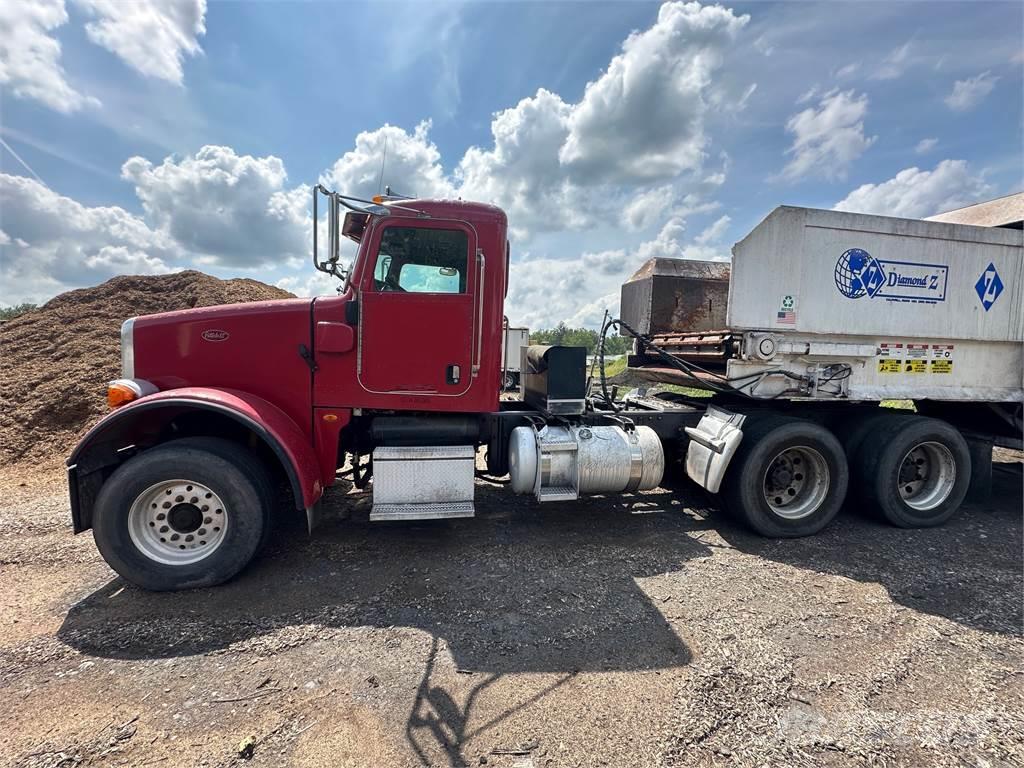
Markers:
point(989, 286)
point(873, 277)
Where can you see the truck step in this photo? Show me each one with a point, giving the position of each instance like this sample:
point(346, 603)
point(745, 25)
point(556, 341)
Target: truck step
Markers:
point(558, 493)
point(428, 511)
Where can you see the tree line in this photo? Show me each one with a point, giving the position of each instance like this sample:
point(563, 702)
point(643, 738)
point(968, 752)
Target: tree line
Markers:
point(9, 313)
point(581, 337)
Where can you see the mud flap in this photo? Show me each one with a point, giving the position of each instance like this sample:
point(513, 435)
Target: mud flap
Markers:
point(712, 445)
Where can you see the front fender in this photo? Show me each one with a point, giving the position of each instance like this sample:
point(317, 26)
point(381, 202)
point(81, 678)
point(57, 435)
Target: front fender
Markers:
point(101, 445)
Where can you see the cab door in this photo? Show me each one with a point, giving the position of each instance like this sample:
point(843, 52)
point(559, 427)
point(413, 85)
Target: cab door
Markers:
point(419, 309)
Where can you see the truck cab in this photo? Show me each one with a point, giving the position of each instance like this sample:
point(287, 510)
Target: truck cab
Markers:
point(418, 325)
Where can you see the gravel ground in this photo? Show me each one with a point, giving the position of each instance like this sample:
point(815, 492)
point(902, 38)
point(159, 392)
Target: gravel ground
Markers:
point(638, 631)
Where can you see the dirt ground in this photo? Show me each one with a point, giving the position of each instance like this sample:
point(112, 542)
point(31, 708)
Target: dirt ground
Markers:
point(639, 631)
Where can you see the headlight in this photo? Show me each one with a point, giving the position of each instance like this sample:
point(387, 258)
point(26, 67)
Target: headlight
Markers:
point(128, 348)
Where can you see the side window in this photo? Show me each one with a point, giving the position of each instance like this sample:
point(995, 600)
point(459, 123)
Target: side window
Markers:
point(420, 260)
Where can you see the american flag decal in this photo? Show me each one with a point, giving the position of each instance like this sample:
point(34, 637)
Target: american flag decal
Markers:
point(786, 316)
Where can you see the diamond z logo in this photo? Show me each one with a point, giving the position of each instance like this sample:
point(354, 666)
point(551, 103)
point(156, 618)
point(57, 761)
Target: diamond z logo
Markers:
point(988, 287)
point(215, 335)
point(858, 273)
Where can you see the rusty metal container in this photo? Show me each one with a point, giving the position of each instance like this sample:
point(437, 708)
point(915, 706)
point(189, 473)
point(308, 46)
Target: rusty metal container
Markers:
point(676, 295)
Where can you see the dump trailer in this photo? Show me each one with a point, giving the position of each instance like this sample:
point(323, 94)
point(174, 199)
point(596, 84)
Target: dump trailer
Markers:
point(829, 314)
point(394, 385)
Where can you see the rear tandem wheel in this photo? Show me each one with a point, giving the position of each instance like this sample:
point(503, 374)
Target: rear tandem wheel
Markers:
point(912, 470)
point(788, 477)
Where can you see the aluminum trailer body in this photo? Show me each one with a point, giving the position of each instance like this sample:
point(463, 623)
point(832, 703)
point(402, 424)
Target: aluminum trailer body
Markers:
point(916, 310)
point(920, 309)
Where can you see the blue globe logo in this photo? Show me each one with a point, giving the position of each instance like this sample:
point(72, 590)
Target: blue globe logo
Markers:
point(850, 277)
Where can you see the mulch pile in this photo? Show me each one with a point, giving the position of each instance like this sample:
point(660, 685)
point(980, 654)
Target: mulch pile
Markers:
point(56, 360)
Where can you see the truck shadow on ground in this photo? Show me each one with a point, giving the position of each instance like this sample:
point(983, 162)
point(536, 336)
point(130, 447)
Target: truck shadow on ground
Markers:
point(547, 590)
point(968, 570)
point(552, 589)
point(518, 589)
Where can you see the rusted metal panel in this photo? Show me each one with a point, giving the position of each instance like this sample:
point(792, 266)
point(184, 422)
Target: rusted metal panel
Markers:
point(676, 295)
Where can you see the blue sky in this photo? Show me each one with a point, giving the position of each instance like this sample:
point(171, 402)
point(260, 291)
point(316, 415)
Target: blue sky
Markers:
point(156, 137)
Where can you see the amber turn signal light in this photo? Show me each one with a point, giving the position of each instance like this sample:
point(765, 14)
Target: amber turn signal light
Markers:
point(119, 394)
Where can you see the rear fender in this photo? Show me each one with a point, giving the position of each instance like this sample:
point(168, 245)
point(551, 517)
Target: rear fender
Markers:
point(114, 438)
point(713, 443)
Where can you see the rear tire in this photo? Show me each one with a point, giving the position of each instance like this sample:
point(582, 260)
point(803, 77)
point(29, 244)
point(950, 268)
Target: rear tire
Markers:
point(854, 430)
point(914, 471)
point(156, 520)
point(788, 477)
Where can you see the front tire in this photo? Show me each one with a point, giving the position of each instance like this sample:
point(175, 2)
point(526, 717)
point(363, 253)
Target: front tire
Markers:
point(913, 470)
point(788, 477)
point(183, 515)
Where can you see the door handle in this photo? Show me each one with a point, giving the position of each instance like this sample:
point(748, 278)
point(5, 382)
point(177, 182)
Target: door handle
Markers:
point(452, 374)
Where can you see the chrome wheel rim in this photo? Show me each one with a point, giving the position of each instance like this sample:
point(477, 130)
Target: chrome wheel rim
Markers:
point(796, 482)
point(177, 522)
point(927, 476)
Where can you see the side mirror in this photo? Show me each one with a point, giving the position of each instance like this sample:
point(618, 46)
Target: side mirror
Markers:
point(330, 264)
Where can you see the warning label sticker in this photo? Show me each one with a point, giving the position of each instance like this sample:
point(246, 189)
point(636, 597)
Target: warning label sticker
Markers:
point(896, 357)
point(890, 350)
point(889, 354)
point(941, 358)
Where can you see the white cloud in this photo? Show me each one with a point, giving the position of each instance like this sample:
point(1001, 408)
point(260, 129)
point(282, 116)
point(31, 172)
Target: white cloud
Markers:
point(151, 36)
point(546, 291)
point(233, 209)
point(763, 46)
point(52, 243)
point(521, 172)
point(924, 146)
point(310, 284)
point(555, 165)
point(969, 93)
point(913, 193)
point(212, 209)
point(847, 71)
point(30, 56)
point(894, 65)
point(714, 232)
point(827, 139)
point(411, 163)
point(807, 95)
point(648, 207)
point(643, 118)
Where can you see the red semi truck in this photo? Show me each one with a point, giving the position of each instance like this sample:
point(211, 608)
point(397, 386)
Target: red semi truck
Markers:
point(398, 377)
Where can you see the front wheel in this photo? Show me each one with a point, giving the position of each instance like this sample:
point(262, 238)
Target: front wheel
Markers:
point(788, 477)
point(185, 514)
